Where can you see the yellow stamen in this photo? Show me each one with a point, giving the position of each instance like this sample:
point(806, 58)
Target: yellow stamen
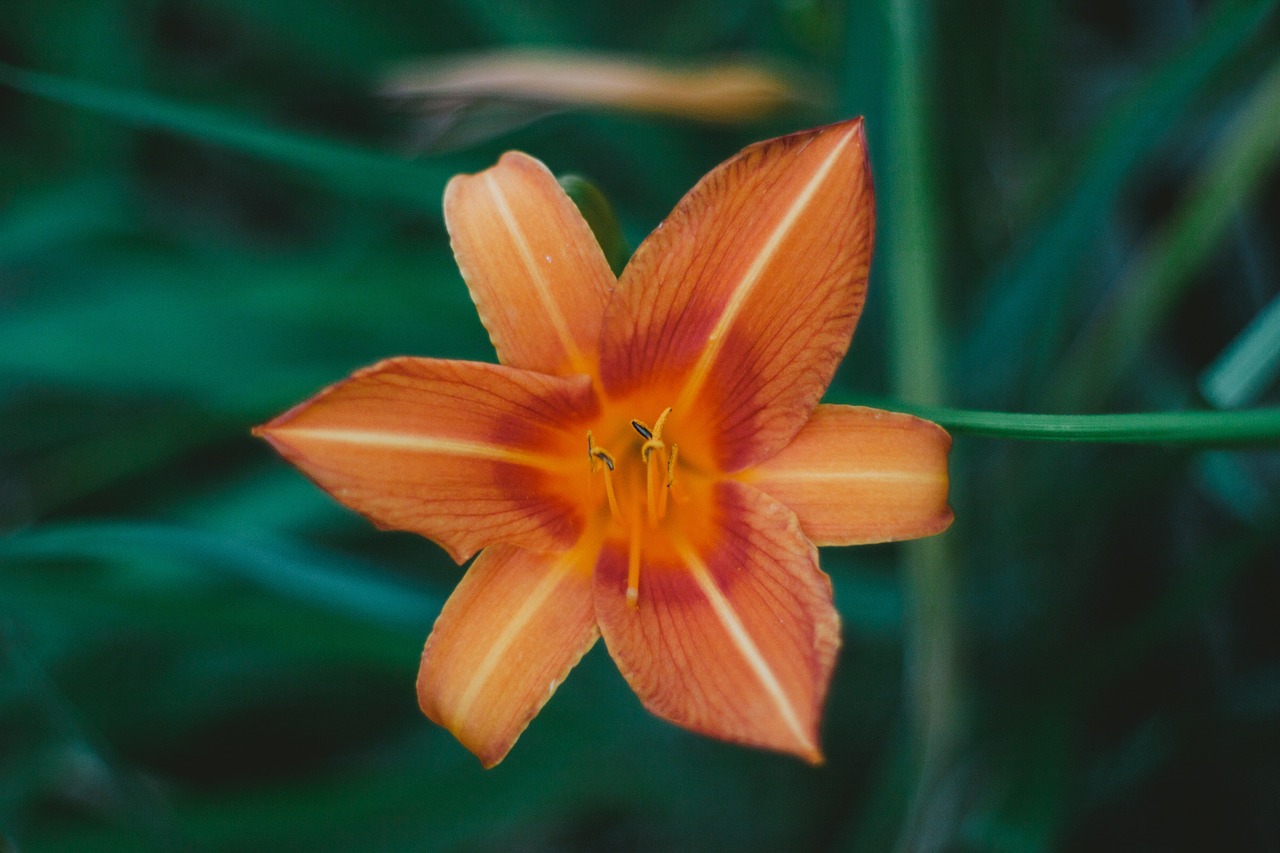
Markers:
point(671, 479)
point(633, 562)
point(602, 460)
point(591, 451)
point(613, 498)
point(651, 500)
point(662, 420)
point(655, 496)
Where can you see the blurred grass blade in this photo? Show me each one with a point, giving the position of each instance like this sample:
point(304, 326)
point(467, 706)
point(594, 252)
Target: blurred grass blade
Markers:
point(595, 208)
point(289, 571)
point(244, 336)
point(1109, 348)
point(1010, 320)
point(55, 216)
point(933, 682)
point(1247, 367)
point(73, 468)
point(347, 168)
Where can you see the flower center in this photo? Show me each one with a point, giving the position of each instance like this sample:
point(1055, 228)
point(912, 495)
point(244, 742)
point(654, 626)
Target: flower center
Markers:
point(658, 472)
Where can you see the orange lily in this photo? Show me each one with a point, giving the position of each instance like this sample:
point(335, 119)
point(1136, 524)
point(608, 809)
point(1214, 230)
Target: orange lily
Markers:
point(649, 463)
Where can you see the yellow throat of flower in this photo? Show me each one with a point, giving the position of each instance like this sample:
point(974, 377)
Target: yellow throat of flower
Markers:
point(629, 512)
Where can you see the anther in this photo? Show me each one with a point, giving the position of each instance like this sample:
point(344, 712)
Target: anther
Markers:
point(640, 427)
point(599, 455)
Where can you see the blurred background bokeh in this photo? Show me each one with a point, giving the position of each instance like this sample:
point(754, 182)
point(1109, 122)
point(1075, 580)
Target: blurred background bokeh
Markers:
point(211, 208)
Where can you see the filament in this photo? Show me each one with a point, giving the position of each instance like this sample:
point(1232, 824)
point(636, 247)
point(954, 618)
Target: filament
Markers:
point(633, 563)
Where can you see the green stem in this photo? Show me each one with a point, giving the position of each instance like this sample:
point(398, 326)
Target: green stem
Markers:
point(1205, 429)
point(916, 364)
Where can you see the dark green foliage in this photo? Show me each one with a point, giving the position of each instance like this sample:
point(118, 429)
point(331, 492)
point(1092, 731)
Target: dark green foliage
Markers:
point(206, 215)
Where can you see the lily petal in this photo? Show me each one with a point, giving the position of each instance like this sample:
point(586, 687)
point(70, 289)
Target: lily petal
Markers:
point(466, 454)
point(734, 634)
point(855, 475)
point(721, 92)
point(536, 272)
point(507, 637)
point(744, 300)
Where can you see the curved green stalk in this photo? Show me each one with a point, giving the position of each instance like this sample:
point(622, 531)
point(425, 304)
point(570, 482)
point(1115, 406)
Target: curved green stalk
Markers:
point(1200, 428)
point(1207, 429)
point(910, 225)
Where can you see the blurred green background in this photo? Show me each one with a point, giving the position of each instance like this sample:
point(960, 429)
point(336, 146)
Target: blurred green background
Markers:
point(206, 215)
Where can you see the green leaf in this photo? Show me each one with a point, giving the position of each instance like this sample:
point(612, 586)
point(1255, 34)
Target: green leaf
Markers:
point(595, 208)
point(242, 336)
point(283, 569)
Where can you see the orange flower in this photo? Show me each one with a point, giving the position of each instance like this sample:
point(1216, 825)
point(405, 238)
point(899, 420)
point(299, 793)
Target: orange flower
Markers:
point(649, 463)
